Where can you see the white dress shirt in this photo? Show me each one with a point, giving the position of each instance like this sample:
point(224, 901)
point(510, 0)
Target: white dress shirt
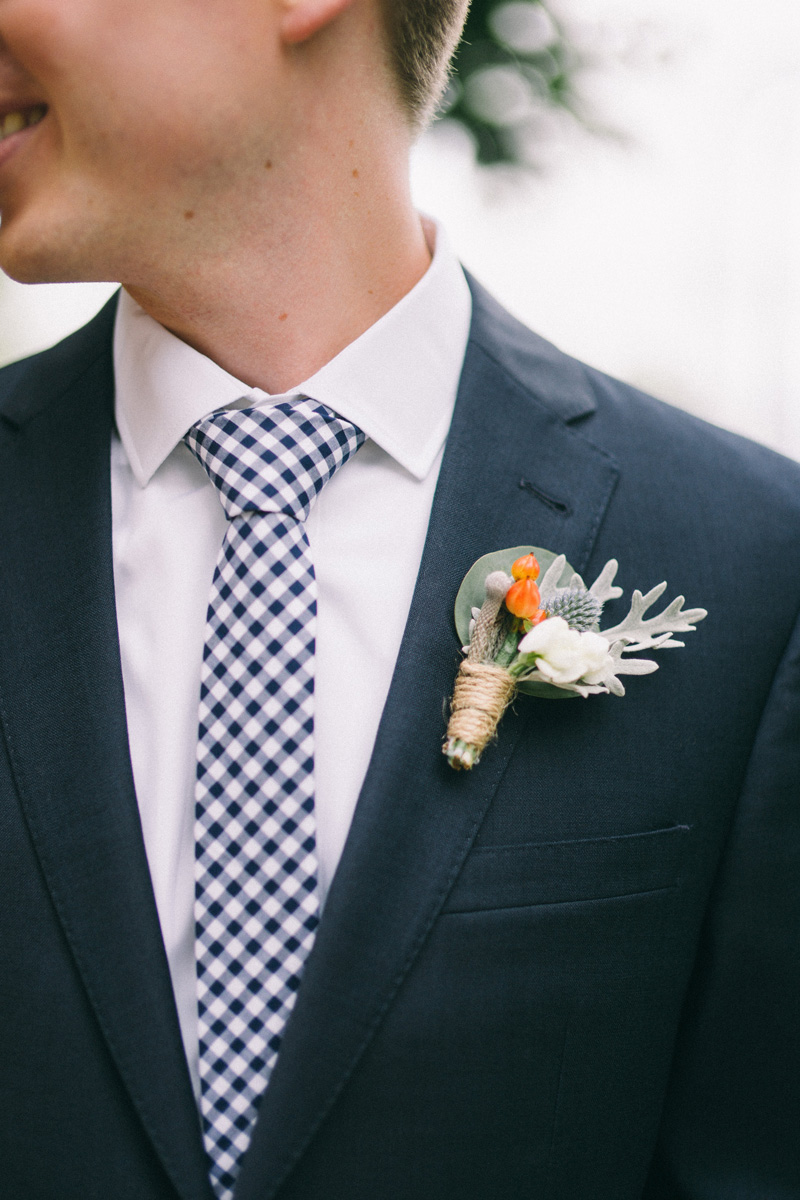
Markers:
point(398, 383)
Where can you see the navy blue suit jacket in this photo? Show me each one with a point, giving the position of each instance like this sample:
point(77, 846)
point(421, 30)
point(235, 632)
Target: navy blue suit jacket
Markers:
point(571, 974)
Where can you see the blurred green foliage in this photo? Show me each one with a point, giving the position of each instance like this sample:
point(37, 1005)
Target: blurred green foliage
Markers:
point(514, 63)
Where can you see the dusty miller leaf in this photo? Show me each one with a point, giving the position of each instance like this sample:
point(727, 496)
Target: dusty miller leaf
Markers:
point(602, 587)
point(549, 583)
point(618, 665)
point(640, 633)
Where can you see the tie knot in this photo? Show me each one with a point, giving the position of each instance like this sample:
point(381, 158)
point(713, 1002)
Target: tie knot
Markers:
point(273, 459)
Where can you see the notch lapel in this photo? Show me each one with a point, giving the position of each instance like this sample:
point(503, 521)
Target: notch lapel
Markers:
point(514, 472)
point(63, 718)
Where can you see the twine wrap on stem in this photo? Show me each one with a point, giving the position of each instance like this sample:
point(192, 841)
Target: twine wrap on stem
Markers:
point(482, 693)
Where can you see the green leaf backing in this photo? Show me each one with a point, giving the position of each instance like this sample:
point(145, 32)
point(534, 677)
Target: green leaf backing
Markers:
point(472, 594)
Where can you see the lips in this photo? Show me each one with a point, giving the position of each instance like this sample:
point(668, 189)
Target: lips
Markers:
point(19, 119)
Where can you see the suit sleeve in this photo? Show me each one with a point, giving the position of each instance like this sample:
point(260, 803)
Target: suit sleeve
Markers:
point(731, 1123)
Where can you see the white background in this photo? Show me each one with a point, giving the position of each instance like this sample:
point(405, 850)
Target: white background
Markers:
point(665, 250)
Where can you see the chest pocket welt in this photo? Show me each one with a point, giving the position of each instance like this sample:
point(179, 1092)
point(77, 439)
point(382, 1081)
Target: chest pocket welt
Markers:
point(564, 872)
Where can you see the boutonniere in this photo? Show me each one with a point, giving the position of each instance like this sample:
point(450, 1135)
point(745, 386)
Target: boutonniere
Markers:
point(530, 624)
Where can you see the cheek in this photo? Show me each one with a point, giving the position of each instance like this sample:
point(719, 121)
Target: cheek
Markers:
point(130, 117)
point(41, 34)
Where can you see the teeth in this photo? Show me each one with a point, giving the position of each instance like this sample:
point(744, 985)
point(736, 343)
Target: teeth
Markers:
point(14, 122)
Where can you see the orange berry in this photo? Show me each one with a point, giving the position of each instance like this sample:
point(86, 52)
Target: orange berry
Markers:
point(526, 567)
point(522, 598)
point(531, 622)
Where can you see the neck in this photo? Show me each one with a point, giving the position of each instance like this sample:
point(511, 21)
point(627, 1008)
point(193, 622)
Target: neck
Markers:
point(283, 294)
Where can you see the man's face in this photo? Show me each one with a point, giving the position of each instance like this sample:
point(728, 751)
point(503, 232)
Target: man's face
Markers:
point(156, 114)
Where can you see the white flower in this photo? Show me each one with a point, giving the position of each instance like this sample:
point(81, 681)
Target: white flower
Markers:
point(564, 655)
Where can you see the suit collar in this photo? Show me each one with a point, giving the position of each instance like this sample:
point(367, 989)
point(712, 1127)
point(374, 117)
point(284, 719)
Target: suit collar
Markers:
point(550, 377)
point(514, 472)
point(63, 718)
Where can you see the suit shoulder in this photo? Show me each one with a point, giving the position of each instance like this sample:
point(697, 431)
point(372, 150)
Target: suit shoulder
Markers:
point(658, 447)
point(646, 434)
point(29, 383)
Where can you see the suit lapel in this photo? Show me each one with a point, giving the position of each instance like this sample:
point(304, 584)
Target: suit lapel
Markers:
point(514, 472)
point(63, 716)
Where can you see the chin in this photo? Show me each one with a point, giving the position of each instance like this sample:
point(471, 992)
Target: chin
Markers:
point(31, 254)
point(30, 264)
point(22, 271)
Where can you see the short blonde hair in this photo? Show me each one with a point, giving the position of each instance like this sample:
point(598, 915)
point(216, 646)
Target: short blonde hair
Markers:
point(422, 36)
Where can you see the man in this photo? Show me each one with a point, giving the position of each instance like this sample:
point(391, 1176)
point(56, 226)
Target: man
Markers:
point(569, 973)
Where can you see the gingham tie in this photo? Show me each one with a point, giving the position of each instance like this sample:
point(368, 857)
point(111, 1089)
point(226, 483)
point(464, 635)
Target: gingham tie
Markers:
point(256, 895)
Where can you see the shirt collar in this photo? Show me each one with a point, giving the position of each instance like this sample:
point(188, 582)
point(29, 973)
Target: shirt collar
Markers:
point(397, 381)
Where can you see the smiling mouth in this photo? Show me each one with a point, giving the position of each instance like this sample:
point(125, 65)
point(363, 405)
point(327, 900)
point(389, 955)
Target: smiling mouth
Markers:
point(23, 118)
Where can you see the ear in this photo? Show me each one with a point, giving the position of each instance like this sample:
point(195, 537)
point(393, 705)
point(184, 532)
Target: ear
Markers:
point(301, 19)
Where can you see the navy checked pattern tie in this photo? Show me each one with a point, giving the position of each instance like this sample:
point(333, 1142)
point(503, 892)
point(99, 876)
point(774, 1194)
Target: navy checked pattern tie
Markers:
point(256, 892)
